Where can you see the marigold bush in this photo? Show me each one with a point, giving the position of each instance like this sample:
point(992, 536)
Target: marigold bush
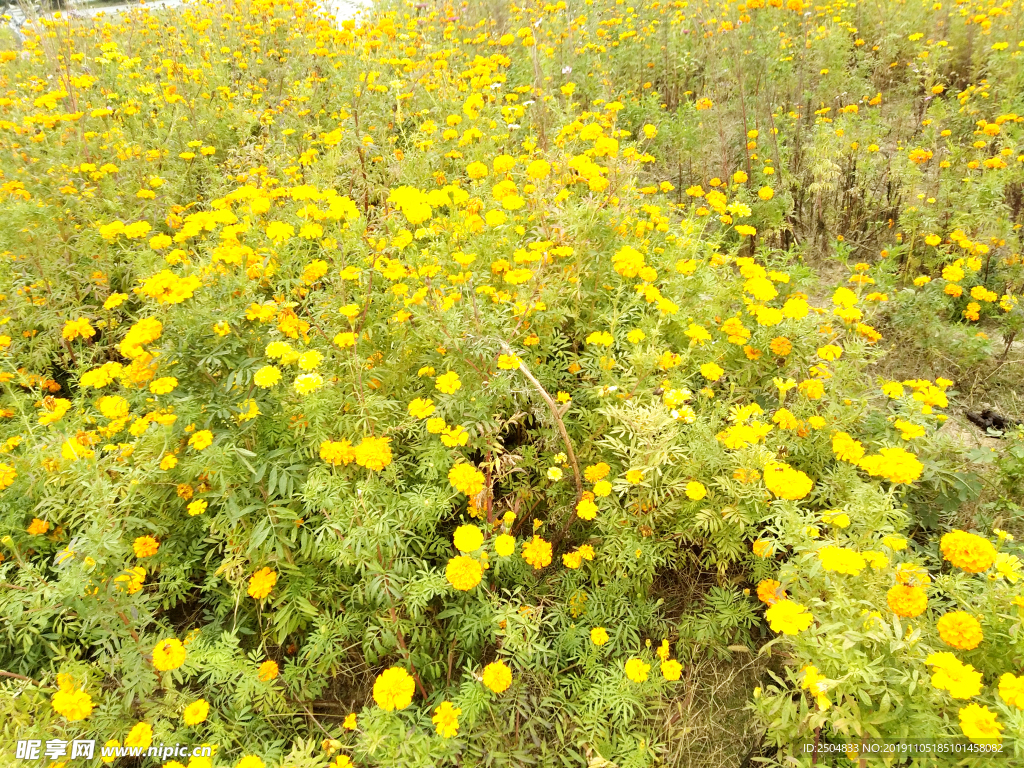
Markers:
point(463, 382)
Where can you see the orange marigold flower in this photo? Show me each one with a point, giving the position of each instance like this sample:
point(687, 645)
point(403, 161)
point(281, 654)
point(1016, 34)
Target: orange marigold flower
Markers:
point(907, 601)
point(145, 546)
point(770, 591)
point(960, 630)
point(967, 551)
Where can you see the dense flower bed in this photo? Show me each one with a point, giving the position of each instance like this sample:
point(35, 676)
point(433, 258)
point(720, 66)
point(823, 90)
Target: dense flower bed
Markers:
point(369, 388)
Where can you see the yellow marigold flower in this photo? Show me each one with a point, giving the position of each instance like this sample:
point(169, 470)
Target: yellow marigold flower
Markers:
point(695, 491)
point(75, 328)
point(115, 300)
point(497, 676)
point(962, 681)
point(463, 573)
point(476, 170)
point(145, 546)
point(980, 725)
point(967, 551)
point(374, 453)
point(468, 538)
point(505, 545)
point(262, 583)
point(1007, 566)
point(421, 408)
point(960, 630)
point(508, 362)
point(518, 276)
point(812, 389)
point(761, 288)
point(538, 169)
point(267, 671)
point(7, 475)
point(637, 670)
point(72, 450)
point(446, 719)
point(169, 654)
point(602, 488)
point(768, 316)
point(466, 479)
point(599, 636)
point(197, 507)
point(817, 685)
point(345, 339)
point(1011, 690)
point(907, 601)
point(131, 580)
point(448, 383)
point(711, 371)
point(201, 440)
point(113, 743)
point(830, 352)
point(393, 689)
point(350, 722)
point(586, 509)
point(196, 712)
point(628, 261)
point(267, 376)
point(895, 543)
point(894, 464)
point(310, 360)
point(337, 452)
point(634, 476)
point(72, 704)
point(454, 437)
point(537, 552)
point(113, 406)
point(785, 482)
point(596, 472)
point(141, 736)
point(841, 560)
point(307, 383)
point(163, 385)
point(912, 575)
point(763, 548)
point(671, 670)
point(846, 448)
point(788, 617)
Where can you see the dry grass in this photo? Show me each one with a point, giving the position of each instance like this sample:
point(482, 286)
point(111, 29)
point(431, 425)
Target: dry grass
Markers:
point(709, 724)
